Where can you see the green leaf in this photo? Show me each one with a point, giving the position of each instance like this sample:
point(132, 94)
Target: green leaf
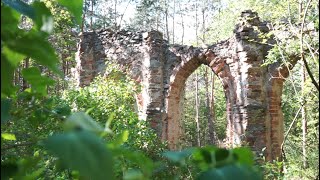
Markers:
point(108, 123)
point(110, 118)
point(82, 151)
point(81, 120)
point(205, 156)
point(179, 156)
point(43, 18)
point(38, 83)
point(38, 12)
point(6, 77)
point(221, 154)
point(75, 7)
point(8, 170)
point(231, 172)
point(9, 22)
point(35, 45)
point(27, 165)
point(224, 157)
point(144, 163)
point(63, 110)
point(244, 156)
point(5, 110)
point(213, 157)
point(8, 136)
point(21, 7)
point(133, 174)
point(13, 57)
point(89, 110)
point(120, 138)
point(35, 174)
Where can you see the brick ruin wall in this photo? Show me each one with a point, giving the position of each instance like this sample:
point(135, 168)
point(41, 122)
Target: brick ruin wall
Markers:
point(253, 92)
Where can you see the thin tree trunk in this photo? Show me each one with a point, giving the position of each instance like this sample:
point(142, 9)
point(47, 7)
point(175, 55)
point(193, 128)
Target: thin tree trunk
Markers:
point(16, 76)
point(167, 24)
point(304, 121)
point(115, 14)
point(63, 64)
point(26, 65)
point(49, 75)
point(303, 79)
point(197, 86)
point(91, 17)
point(197, 111)
point(209, 114)
point(212, 107)
point(174, 11)
point(20, 76)
point(125, 12)
point(182, 31)
point(212, 93)
point(197, 38)
point(302, 21)
point(83, 16)
point(182, 24)
point(157, 19)
point(203, 24)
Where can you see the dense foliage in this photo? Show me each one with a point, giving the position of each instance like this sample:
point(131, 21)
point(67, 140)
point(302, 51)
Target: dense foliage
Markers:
point(115, 106)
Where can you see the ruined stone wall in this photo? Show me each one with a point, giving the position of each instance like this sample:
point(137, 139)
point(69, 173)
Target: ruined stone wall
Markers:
point(254, 115)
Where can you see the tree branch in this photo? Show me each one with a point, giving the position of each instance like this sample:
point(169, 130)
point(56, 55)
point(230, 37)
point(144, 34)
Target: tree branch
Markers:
point(17, 145)
point(314, 82)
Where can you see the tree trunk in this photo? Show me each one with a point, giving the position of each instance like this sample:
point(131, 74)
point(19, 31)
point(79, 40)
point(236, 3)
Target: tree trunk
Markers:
point(182, 24)
point(303, 79)
point(197, 111)
point(92, 1)
point(115, 14)
point(20, 76)
point(197, 38)
point(304, 121)
point(83, 16)
point(49, 75)
point(302, 22)
point(157, 19)
point(16, 76)
point(167, 23)
point(209, 110)
point(26, 65)
point(203, 24)
point(174, 11)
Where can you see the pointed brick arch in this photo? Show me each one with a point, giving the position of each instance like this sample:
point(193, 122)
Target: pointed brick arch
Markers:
point(253, 92)
point(189, 63)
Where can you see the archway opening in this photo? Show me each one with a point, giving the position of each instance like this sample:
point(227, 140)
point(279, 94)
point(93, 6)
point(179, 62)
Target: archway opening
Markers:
point(174, 126)
point(204, 117)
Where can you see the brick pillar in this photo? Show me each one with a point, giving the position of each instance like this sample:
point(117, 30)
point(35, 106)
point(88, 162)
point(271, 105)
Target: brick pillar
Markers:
point(85, 68)
point(249, 112)
point(152, 80)
point(274, 115)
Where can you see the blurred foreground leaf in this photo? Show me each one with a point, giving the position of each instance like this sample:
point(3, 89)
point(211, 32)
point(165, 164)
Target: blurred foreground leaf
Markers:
point(82, 151)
